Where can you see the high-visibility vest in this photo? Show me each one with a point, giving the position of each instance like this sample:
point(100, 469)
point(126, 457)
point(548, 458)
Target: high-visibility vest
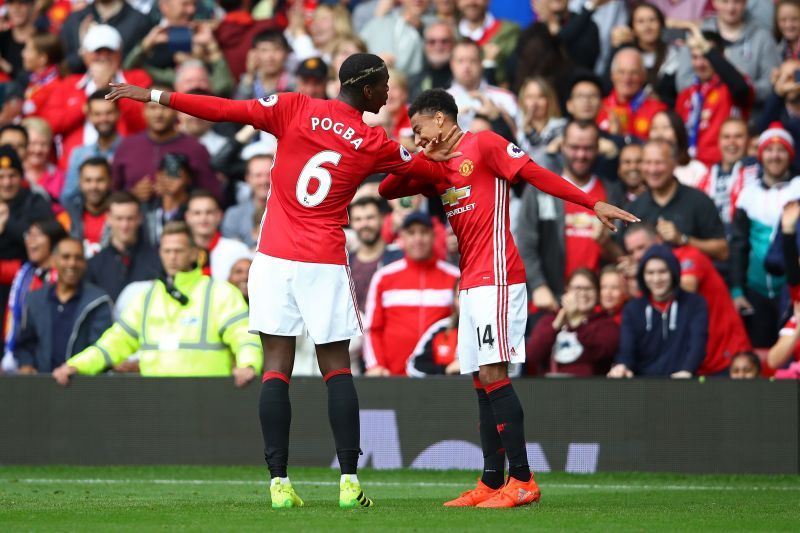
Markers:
point(206, 337)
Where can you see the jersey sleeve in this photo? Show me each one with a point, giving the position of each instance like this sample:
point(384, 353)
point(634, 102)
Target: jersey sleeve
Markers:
point(396, 186)
point(691, 265)
point(272, 114)
point(505, 159)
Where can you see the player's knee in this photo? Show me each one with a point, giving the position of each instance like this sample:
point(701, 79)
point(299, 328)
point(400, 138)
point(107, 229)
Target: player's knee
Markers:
point(492, 373)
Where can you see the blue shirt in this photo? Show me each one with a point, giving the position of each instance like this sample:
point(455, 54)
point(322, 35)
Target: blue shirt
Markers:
point(63, 316)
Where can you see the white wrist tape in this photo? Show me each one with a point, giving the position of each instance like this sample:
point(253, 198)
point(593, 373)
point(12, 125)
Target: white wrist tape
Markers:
point(155, 96)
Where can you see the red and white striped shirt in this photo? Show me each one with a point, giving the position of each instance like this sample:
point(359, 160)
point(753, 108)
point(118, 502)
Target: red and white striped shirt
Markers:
point(404, 299)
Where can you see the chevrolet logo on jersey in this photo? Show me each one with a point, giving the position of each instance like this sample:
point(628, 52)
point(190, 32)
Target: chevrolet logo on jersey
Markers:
point(453, 196)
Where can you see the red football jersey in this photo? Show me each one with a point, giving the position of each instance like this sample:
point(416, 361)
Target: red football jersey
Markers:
point(325, 151)
point(475, 199)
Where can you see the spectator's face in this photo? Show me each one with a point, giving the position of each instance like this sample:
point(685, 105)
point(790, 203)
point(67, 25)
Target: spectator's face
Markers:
point(104, 57)
point(702, 67)
point(322, 27)
point(627, 73)
point(466, 66)
point(270, 57)
point(240, 273)
point(743, 368)
point(418, 242)
point(775, 159)
point(472, 10)
point(37, 245)
point(630, 159)
point(612, 291)
point(259, 177)
point(788, 19)
point(124, 221)
point(646, 26)
point(480, 124)
point(661, 129)
point(103, 115)
point(32, 59)
point(438, 44)
point(20, 13)
point(10, 182)
point(193, 126)
point(160, 119)
point(534, 102)
point(173, 186)
point(556, 6)
point(637, 243)
point(398, 96)
point(584, 293)
point(177, 253)
point(17, 141)
point(579, 149)
point(70, 262)
point(415, 6)
point(658, 279)
point(658, 166)
point(733, 141)
point(585, 101)
point(203, 216)
point(193, 78)
point(95, 185)
point(730, 11)
point(177, 12)
point(310, 86)
point(366, 221)
point(38, 148)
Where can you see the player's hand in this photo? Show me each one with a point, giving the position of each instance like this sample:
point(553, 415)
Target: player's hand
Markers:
point(243, 376)
point(441, 148)
point(619, 371)
point(453, 368)
point(377, 371)
point(63, 373)
point(681, 374)
point(607, 212)
point(125, 90)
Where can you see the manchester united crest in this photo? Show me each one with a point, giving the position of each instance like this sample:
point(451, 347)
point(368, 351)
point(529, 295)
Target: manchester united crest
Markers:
point(466, 168)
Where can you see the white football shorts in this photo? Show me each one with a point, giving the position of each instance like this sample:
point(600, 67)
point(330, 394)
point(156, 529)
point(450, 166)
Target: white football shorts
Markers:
point(287, 295)
point(491, 325)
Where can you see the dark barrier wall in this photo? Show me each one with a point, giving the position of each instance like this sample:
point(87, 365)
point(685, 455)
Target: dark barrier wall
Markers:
point(574, 425)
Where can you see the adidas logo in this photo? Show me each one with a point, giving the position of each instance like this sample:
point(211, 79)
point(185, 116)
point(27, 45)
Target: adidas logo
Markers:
point(522, 495)
point(513, 351)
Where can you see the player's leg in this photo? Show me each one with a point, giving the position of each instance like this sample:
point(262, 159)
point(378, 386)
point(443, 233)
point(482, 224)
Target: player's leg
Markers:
point(331, 315)
point(274, 314)
point(494, 458)
point(506, 343)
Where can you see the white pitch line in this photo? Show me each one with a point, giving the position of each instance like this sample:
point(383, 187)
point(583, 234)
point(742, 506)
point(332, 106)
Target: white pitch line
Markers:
point(579, 486)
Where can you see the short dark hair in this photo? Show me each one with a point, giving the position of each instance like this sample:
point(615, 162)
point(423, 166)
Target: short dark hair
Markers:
point(469, 43)
point(202, 194)
point(100, 94)
point(641, 226)
point(50, 45)
point(15, 127)
point(363, 202)
point(434, 100)
point(584, 76)
point(582, 125)
point(52, 229)
point(178, 227)
point(274, 36)
point(68, 238)
point(752, 356)
point(96, 162)
point(123, 197)
point(361, 70)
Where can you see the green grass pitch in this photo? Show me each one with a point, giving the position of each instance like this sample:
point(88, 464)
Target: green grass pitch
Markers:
point(175, 498)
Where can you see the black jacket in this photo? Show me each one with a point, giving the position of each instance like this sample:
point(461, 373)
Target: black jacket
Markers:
point(25, 208)
point(34, 344)
point(112, 270)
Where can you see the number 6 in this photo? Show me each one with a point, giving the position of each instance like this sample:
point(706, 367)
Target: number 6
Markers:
point(313, 169)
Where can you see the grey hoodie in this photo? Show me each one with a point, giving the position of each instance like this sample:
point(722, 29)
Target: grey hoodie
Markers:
point(755, 54)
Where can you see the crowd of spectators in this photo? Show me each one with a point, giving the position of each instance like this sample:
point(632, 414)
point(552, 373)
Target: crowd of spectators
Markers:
point(684, 112)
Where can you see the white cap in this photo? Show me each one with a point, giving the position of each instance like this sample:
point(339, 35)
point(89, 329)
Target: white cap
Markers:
point(102, 36)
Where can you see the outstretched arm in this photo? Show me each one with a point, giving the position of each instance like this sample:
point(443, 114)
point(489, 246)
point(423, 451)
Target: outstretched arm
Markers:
point(555, 185)
point(396, 186)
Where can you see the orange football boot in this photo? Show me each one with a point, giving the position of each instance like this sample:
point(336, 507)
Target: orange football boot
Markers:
point(513, 494)
point(473, 497)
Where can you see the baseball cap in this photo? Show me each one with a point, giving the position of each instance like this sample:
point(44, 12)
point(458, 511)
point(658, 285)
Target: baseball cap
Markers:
point(171, 164)
point(313, 67)
point(417, 217)
point(102, 36)
point(10, 159)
